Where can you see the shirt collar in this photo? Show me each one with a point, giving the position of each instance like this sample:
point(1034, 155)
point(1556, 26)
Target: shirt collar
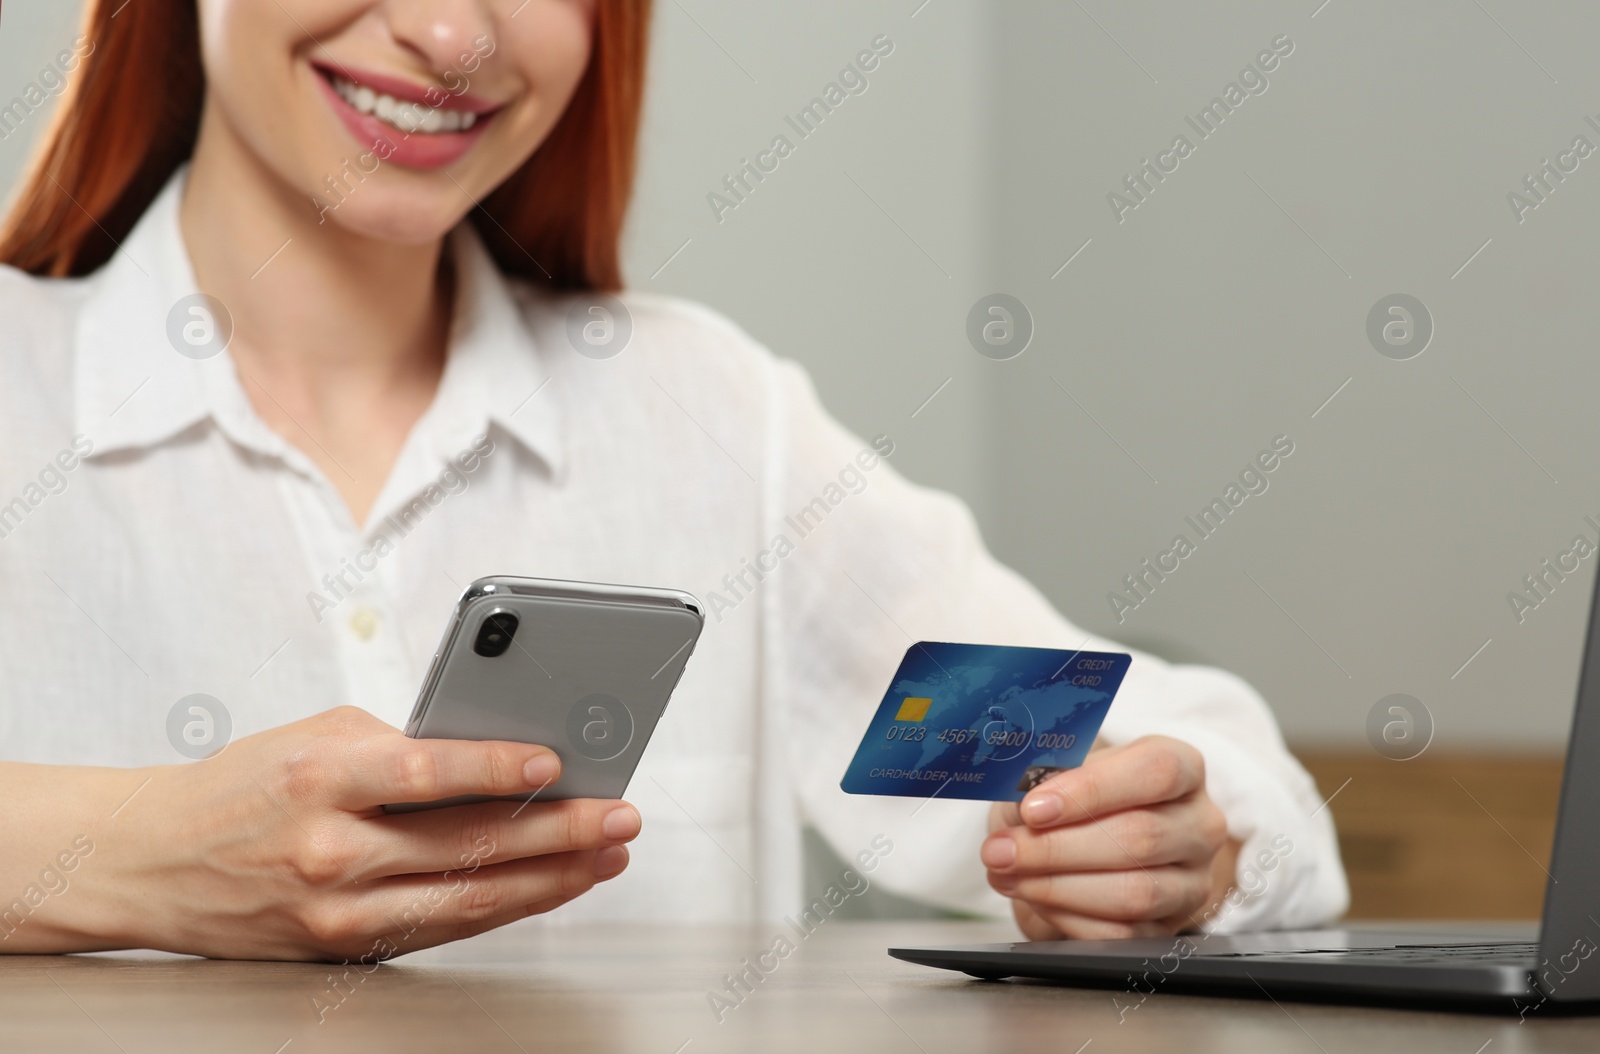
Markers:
point(133, 388)
point(496, 371)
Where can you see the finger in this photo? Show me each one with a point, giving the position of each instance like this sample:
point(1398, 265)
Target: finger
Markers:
point(402, 942)
point(466, 837)
point(1190, 830)
point(1005, 814)
point(1141, 895)
point(408, 904)
point(429, 936)
point(388, 769)
point(1147, 771)
point(1050, 925)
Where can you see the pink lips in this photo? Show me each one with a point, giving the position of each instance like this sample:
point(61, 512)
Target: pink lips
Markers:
point(424, 150)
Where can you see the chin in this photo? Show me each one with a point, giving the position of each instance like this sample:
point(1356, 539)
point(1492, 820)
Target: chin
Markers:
point(401, 218)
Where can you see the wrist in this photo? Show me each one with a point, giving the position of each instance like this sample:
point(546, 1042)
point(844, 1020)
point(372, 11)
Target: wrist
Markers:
point(1224, 880)
point(141, 822)
point(103, 864)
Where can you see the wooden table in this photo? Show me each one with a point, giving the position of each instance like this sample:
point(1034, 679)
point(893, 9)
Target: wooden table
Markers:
point(606, 989)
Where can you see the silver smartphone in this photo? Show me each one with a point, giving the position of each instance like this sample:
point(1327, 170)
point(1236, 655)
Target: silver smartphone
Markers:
point(582, 668)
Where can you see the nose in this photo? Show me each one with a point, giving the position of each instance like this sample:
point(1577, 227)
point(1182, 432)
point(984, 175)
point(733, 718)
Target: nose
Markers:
point(440, 32)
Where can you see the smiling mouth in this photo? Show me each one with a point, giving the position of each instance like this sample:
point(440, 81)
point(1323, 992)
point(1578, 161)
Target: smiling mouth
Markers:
point(412, 118)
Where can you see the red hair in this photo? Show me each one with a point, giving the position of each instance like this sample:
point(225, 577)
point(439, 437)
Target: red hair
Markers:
point(130, 116)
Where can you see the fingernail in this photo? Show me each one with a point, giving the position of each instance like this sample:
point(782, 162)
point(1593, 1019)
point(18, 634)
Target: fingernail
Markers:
point(1003, 883)
point(610, 861)
point(540, 770)
point(620, 824)
point(1046, 808)
point(999, 852)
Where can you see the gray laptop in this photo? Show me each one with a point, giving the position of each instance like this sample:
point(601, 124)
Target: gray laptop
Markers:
point(1558, 968)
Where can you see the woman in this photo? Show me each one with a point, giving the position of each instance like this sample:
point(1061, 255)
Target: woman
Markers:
point(412, 365)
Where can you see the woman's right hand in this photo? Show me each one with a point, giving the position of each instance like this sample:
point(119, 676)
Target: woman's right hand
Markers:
point(278, 848)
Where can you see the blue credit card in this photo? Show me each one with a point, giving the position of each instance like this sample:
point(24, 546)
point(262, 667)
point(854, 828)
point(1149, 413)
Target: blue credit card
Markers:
point(983, 721)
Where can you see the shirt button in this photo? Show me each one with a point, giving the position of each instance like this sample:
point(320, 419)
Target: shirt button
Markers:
point(364, 623)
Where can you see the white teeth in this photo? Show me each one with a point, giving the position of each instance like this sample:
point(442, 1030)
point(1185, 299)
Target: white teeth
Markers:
point(408, 117)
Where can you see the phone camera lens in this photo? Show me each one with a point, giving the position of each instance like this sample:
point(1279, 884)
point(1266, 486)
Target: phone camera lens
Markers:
point(495, 633)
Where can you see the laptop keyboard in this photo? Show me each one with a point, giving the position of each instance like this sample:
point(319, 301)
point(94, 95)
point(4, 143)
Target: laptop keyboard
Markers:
point(1516, 953)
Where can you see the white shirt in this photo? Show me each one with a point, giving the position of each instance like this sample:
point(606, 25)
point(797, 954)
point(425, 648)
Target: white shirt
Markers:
point(181, 554)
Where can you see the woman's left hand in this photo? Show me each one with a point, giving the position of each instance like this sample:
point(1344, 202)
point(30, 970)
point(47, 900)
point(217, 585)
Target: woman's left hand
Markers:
point(1126, 845)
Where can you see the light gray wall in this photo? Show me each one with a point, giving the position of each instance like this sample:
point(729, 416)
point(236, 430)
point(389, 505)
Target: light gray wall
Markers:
point(1218, 314)
point(860, 255)
point(32, 33)
point(1221, 312)
point(1227, 308)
